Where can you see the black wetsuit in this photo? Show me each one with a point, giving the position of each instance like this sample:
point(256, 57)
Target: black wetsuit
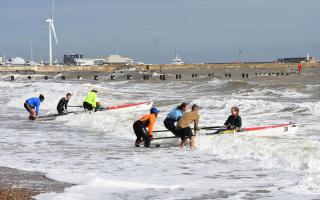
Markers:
point(140, 129)
point(233, 122)
point(87, 106)
point(62, 106)
point(169, 124)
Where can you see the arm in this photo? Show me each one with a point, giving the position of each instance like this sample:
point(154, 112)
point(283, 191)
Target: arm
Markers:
point(227, 123)
point(94, 101)
point(66, 106)
point(239, 124)
point(37, 106)
point(152, 122)
point(196, 125)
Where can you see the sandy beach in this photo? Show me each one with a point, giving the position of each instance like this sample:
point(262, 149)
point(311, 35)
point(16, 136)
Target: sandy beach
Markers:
point(23, 185)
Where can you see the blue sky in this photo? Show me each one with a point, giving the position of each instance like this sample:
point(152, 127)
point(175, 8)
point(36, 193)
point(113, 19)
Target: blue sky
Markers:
point(150, 30)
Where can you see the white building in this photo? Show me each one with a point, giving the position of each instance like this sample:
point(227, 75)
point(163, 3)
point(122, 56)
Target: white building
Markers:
point(17, 61)
point(84, 62)
point(2, 62)
point(117, 59)
point(89, 61)
point(32, 63)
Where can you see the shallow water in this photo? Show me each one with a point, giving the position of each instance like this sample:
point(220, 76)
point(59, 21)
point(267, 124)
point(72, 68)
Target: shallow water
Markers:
point(96, 150)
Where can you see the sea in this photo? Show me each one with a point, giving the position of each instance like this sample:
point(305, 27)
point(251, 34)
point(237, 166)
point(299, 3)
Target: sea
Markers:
point(95, 151)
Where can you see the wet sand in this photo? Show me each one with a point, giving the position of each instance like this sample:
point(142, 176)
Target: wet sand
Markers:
point(23, 185)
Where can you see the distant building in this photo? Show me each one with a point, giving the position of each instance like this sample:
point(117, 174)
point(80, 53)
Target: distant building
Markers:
point(2, 62)
point(117, 59)
point(32, 63)
point(89, 62)
point(307, 59)
point(17, 61)
point(69, 59)
point(84, 62)
point(99, 61)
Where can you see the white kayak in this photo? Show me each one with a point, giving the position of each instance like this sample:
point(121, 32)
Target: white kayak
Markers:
point(279, 130)
point(142, 106)
point(131, 107)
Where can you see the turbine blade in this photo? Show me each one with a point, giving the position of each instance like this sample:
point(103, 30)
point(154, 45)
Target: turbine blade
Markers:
point(52, 8)
point(54, 33)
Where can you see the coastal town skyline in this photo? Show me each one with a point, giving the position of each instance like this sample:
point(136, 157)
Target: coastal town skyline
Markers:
point(150, 31)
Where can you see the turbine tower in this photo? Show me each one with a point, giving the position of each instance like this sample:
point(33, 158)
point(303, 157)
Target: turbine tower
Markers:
point(51, 30)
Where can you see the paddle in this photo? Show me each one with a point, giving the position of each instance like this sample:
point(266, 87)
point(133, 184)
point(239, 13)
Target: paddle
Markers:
point(217, 132)
point(75, 106)
point(213, 127)
point(202, 128)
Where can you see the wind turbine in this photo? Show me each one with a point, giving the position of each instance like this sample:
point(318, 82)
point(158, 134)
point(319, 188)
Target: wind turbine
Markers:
point(51, 30)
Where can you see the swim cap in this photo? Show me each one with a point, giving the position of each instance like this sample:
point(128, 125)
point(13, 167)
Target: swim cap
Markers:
point(154, 110)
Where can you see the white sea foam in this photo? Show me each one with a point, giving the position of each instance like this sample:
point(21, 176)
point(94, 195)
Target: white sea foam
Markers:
point(95, 151)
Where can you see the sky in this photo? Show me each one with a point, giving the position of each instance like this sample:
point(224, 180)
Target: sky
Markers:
point(150, 30)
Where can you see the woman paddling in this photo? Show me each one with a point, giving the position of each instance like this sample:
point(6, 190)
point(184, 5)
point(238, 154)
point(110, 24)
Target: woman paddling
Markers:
point(234, 120)
point(174, 117)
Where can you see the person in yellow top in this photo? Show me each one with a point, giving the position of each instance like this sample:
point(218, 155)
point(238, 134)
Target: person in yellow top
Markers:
point(141, 125)
point(90, 102)
point(183, 126)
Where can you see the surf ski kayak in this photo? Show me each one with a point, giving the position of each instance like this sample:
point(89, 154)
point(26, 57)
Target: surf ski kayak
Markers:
point(279, 130)
point(124, 107)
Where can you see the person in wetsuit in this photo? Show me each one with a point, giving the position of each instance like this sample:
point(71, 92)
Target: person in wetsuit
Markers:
point(32, 105)
point(62, 106)
point(140, 128)
point(234, 121)
point(184, 126)
point(174, 117)
point(90, 102)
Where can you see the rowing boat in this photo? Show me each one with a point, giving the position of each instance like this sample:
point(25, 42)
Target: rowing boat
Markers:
point(142, 106)
point(279, 130)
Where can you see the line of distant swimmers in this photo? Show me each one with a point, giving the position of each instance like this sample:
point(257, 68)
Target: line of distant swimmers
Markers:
point(178, 120)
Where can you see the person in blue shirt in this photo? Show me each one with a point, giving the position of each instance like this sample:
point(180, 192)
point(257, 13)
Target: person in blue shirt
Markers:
point(32, 105)
point(174, 117)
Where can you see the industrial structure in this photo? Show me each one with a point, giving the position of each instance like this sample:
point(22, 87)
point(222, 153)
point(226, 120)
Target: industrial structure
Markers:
point(70, 59)
point(307, 59)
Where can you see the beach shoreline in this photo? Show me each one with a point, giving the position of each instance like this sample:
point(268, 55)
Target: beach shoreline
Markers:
point(24, 185)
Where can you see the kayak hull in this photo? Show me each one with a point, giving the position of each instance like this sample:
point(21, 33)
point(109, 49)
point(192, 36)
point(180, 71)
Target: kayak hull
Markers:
point(280, 130)
point(131, 107)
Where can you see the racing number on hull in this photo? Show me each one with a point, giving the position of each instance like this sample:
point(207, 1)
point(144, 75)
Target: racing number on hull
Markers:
point(285, 129)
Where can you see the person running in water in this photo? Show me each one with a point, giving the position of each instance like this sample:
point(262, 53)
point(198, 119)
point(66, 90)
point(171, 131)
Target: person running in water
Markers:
point(32, 105)
point(90, 102)
point(174, 117)
point(141, 125)
point(184, 126)
point(234, 121)
point(62, 106)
